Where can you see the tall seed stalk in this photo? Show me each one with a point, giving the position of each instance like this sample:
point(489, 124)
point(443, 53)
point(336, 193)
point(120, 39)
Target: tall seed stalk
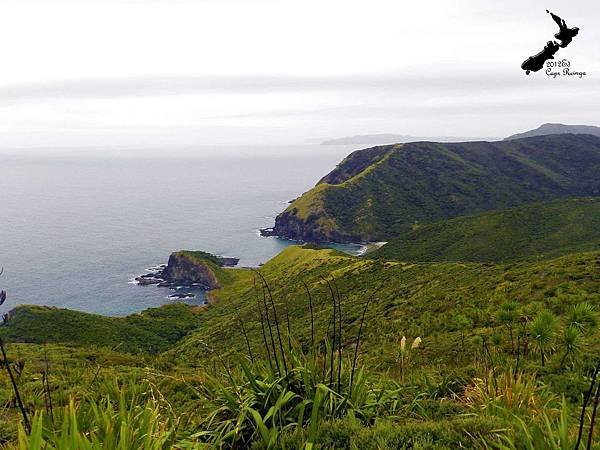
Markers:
point(46, 383)
point(248, 347)
point(312, 318)
point(339, 303)
point(262, 326)
point(10, 373)
point(276, 319)
point(593, 418)
point(360, 328)
point(334, 340)
point(15, 387)
point(289, 328)
point(586, 399)
point(264, 296)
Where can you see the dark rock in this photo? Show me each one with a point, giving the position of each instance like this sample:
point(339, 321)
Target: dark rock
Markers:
point(226, 261)
point(182, 295)
point(267, 232)
point(144, 281)
point(184, 269)
point(188, 268)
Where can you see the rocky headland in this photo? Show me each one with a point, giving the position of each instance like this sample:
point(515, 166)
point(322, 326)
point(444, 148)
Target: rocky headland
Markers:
point(186, 268)
point(382, 192)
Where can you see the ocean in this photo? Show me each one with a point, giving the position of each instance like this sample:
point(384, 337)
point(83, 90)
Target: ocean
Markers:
point(75, 230)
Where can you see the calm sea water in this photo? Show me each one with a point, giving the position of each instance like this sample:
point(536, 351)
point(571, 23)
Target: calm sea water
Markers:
point(74, 230)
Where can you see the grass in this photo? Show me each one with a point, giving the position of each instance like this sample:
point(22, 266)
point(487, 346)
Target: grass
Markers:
point(412, 299)
point(153, 330)
point(306, 371)
point(540, 230)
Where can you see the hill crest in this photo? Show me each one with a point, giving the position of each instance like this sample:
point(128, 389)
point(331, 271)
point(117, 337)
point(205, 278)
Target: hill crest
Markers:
point(377, 193)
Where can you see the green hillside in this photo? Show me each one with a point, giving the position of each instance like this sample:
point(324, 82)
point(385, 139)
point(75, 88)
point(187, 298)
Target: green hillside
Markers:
point(377, 193)
point(530, 231)
point(153, 330)
point(259, 370)
point(416, 299)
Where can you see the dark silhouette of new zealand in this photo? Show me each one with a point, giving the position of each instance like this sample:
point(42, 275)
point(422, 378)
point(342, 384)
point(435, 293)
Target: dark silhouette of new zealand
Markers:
point(566, 34)
point(536, 62)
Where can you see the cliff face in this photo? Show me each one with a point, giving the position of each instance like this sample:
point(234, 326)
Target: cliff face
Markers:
point(186, 268)
point(378, 193)
point(291, 225)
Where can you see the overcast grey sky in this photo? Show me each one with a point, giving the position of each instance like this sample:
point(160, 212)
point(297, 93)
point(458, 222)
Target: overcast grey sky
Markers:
point(168, 73)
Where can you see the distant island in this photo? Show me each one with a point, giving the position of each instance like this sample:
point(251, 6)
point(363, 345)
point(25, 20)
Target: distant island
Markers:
point(388, 138)
point(557, 128)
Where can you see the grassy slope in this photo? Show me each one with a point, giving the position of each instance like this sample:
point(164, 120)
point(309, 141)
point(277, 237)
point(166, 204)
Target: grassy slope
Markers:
point(379, 192)
point(413, 299)
point(152, 330)
point(543, 229)
point(418, 299)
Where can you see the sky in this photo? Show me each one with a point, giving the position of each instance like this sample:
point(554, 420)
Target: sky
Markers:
point(168, 73)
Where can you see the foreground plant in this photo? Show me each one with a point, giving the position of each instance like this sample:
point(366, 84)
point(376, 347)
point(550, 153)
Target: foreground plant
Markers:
point(549, 432)
point(507, 395)
point(108, 424)
point(543, 329)
point(259, 405)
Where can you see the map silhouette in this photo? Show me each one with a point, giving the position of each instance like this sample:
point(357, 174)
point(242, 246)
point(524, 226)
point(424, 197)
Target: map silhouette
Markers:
point(536, 62)
point(565, 36)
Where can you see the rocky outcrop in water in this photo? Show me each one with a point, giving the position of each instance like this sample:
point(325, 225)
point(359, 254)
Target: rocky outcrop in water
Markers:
point(188, 268)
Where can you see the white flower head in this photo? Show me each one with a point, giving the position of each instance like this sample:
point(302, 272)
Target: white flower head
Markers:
point(416, 342)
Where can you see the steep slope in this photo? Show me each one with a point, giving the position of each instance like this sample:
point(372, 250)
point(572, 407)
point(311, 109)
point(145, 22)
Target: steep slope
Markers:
point(557, 128)
point(526, 232)
point(378, 193)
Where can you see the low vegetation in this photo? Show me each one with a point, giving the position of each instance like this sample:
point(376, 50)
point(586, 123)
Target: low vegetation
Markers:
point(318, 349)
point(152, 331)
point(536, 230)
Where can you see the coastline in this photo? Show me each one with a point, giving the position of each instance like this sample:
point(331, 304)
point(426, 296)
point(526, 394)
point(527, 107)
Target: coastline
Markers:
point(352, 248)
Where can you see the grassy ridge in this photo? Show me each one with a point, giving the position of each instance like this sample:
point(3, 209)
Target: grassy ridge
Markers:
point(380, 192)
point(153, 330)
point(415, 299)
point(534, 230)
